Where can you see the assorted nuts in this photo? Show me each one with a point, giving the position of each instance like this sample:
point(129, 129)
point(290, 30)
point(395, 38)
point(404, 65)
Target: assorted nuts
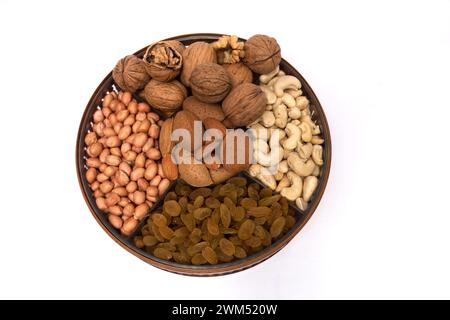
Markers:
point(212, 216)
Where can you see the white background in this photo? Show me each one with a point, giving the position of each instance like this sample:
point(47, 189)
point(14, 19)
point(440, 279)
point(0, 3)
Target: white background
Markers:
point(381, 70)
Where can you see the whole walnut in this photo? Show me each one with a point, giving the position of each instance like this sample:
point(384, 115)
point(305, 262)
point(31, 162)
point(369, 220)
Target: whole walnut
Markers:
point(239, 73)
point(262, 54)
point(130, 74)
point(244, 105)
point(210, 83)
point(197, 53)
point(165, 96)
point(163, 60)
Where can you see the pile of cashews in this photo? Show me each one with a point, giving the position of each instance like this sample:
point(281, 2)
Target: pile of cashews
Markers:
point(290, 161)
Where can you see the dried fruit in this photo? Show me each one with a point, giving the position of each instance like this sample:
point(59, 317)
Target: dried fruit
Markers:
point(162, 253)
point(210, 255)
point(172, 208)
point(227, 247)
point(246, 229)
point(130, 74)
point(277, 226)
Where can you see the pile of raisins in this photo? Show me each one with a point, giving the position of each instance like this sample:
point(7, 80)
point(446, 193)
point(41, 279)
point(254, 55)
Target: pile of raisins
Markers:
point(213, 225)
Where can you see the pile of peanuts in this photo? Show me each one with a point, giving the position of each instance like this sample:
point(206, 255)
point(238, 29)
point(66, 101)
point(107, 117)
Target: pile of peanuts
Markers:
point(123, 163)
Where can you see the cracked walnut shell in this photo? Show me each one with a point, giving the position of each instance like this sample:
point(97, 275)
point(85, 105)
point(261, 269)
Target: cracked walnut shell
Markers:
point(164, 59)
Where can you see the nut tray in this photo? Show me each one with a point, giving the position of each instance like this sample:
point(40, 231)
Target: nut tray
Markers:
point(108, 85)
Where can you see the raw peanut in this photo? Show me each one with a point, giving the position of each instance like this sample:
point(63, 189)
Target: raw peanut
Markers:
point(93, 162)
point(98, 116)
point(125, 147)
point(136, 149)
point(90, 138)
point(113, 105)
point(155, 181)
point(113, 141)
point(154, 131)
point(125, 167)
point(109, 132)
point(124, 201)
point(129, 121)
point(112, 199)
point(122, 115)
point(151, 171)
point(137, 173)
point(143, 107)
point(107, 100)
point(91, 175)
point(115, 210)
point(141, 116)
point(130, 155)
point(95, 185)
point(103, 167)
point(131, 187)
point(115, 152)
point(152, 199)
point(122, 178)
point(98, 194)
point(140, 161)
point(101, 203)
point(153, 154)
point(101, 177)
point(140, 139)
point(110, 171)
point(117, 127)
point(128, 210)
point(105, 153)
point(160, 171)
point(145, 126)
point(121, 191)
point(98, 129)
point(141, 211)
point(124, 132)
point(112, 119)
point(163, 185)
point(129, 226)
point(136, 126)
point(115, 221)
point(143, 184)
point(148, 145)
point(153, 116)
point(106, 186)
point(152, 191)
point(133, 107)
point(113, 160)
point(126, 97)
point(95, 149)
point(139, 197)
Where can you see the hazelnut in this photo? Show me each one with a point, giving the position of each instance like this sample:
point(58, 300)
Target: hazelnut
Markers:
point(210, 83)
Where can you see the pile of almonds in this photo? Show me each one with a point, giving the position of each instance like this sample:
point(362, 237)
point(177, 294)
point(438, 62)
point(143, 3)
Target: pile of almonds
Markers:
point(124, 169)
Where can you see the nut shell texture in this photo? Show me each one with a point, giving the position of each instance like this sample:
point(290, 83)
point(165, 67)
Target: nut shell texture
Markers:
point(130, 74)
point(165, 96)
point(210, 83)
point(197, 53)
point(262, 54)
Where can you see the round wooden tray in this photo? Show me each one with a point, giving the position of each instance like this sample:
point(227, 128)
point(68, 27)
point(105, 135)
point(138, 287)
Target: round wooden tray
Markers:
point(108, 85)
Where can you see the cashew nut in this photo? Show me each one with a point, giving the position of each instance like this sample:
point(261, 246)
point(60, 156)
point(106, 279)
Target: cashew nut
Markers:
point(258, 131)
point(265, 78)
point(288, 100)
point(281, 115)
point(309, 186)
point(268, 119)
point(273, 157)
point(283, 166)
point(286, 82)
point(316, 171)
point(286, 153)
point(303, 169)
point(294, 133)
point(271, 97)
point(302, 102)
point(306, 132)
point(269, 107)
point(295, 190)
point(261, 145)
point(294, 113)
point(278, 102)
point(301, 204)
point(279, 175)
point(316, 140)
point(281, 73)
point(283, 184)
point(294, 93)
point(317, 152)
point(263, 174)
point(305, 150)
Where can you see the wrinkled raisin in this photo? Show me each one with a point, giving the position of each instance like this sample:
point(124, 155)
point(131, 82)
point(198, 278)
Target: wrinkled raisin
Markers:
point(172, 208)
point(277, 226)
point(246, 229)
point(225, 215)
point(210, 255)
point(162, 253)
point(227, 247)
